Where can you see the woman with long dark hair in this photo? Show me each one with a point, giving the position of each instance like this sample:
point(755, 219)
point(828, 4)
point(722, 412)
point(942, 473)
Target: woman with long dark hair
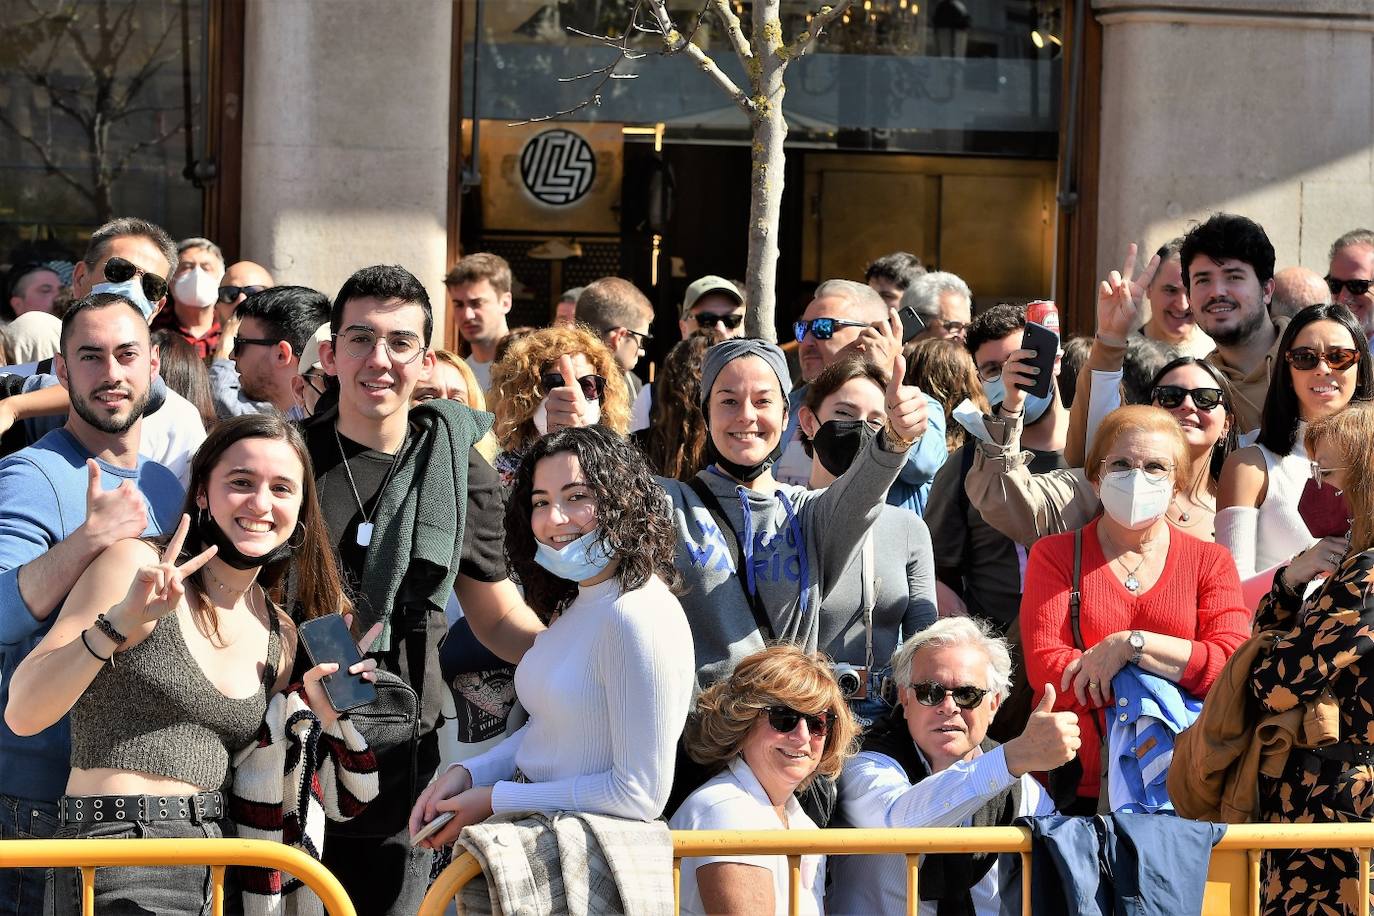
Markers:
point(608, 685)
point(675, 440)
point(166, 654)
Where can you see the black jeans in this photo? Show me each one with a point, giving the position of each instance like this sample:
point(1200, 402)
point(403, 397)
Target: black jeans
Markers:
point(21, 889)
point(144, 890)
point(383, 875)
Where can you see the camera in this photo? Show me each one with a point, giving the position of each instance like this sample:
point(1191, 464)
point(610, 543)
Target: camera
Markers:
point(853, 680)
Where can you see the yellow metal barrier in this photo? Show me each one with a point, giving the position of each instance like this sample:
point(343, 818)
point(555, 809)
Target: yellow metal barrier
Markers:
point(88, 855)
point(1233, 875)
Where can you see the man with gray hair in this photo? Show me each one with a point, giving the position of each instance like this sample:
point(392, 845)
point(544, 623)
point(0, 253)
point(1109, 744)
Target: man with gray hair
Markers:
point(944, 302)
point(1295, 288)
point(844, 319)
point(929, 763)
point(194, 292)
point(1351, 275)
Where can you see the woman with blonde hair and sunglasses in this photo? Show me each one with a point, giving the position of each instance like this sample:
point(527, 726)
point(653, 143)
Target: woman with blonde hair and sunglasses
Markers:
point(1268, 513)
point(553, 379)
point(769, 729)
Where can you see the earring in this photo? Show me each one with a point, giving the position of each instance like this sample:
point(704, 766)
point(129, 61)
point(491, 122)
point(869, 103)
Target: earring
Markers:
point(300, 529)
point(200, 515)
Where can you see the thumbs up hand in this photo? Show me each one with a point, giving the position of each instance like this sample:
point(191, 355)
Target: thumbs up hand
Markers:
point(1049, 740)
point(111, 515)
point(906, 406)
point(567, 405)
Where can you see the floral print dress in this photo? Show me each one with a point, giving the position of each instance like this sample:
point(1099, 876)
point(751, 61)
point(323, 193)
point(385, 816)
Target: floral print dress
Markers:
point(1325, 643)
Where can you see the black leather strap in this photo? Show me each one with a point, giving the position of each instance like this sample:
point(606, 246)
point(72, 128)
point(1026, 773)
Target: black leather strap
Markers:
point(198, 808)
point(717, 511)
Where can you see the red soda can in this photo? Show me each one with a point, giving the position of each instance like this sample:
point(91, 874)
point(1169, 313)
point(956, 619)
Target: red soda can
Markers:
point(1044, 313)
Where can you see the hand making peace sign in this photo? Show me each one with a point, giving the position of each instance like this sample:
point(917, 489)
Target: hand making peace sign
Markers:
point(158, 588)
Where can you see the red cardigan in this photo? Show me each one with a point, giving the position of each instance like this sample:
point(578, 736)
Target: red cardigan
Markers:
point(1197, 597)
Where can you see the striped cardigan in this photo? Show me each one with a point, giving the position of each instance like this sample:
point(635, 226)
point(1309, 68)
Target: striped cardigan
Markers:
point(286, 783)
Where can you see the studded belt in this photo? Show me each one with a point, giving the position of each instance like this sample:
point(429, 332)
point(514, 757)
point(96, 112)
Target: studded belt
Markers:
point(198, 808)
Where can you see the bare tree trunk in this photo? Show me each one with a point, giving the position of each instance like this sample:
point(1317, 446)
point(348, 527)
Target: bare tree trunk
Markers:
point(767, 165)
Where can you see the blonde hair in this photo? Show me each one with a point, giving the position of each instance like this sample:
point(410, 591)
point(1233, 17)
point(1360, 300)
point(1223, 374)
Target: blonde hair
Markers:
point(1350, 431)
point(1145, 419)
point(516, 391)
point(781, 675)
point(476, 399)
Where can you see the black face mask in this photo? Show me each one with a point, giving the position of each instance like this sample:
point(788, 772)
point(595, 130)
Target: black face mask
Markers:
point(210, 533)
point(745, 473)
point(838, 442)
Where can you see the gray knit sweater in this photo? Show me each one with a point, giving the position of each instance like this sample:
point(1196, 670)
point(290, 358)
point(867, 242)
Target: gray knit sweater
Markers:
point(797, 557)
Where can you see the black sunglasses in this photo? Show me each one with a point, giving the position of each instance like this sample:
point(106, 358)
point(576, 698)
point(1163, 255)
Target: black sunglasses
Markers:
point(593, 386)
point(118, 270)
point(1356, 287)
point(228, 294)
point(1171, 396)
point(642, 338)
point(932, 694)
point(240, 342)
point(1338, 358)
point(711, 319)
point(784, 719)
point(823, 328)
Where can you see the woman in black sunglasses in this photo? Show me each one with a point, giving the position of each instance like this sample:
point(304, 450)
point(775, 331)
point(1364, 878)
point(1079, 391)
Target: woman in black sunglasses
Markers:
point(1269, 509)
point(768, 730)
point(554, 378)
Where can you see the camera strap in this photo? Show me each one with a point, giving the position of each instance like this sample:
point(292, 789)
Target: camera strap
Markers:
point(732, 546)
point(870, 596)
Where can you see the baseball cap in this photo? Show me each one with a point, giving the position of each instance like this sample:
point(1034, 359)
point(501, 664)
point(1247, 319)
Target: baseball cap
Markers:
point(310, 353)
point(708, 284)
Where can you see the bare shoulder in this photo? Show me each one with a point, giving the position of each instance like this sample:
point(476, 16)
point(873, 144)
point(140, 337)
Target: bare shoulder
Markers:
point(1244, 479)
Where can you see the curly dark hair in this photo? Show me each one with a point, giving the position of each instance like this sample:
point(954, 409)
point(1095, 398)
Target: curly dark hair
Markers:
point(1224, 236)
point(632, 511)
point(677, 428)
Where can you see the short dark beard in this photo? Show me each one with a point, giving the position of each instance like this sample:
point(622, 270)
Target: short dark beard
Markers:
point(1242, 331)
point(106, 424)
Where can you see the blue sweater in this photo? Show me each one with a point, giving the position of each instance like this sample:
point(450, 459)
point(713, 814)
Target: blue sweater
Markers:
point(42, 501)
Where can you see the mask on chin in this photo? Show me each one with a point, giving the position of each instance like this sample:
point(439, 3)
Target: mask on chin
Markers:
point(1034, 407)
point(576, 561)
point(211, 534)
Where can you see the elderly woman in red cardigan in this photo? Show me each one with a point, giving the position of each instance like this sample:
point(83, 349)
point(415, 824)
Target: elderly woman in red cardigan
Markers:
point(1151, 594)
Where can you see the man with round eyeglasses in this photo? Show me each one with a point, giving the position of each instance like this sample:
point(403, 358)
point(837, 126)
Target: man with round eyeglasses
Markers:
point(929, 763)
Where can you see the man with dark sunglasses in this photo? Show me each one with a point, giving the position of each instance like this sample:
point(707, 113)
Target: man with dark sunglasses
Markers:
point(270, 331)
point(929, 763)
point(1350, 278)
point(241, 280)
point(621, 314)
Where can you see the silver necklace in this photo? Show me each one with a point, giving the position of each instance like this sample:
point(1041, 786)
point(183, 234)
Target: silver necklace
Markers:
point(223, 586)
point(364, 536)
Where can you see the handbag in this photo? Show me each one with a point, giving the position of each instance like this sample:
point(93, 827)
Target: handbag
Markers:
point(391, 726)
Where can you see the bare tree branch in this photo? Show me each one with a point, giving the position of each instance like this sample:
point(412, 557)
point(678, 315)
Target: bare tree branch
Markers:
point(139, 147)
point(151, 64)
point(674, 42)
point(50, 165)
point(733, 30)
point(593, 98)
point(804, 42)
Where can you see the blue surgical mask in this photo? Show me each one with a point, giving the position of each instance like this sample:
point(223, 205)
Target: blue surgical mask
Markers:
point(576, 561)
point(131, 289)
point(1034, 406)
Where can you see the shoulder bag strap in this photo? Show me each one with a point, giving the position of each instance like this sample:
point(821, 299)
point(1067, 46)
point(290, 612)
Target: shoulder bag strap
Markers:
point(1075, 605)
point(713, 506)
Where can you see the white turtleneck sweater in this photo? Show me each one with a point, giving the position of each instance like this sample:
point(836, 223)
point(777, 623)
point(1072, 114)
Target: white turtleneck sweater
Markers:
point(607, 686)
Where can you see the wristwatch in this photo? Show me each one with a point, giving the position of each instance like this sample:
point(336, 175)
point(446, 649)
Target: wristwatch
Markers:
point(1137, 642)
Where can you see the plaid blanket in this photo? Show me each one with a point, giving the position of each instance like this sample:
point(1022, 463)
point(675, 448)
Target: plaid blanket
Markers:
point(579, 864)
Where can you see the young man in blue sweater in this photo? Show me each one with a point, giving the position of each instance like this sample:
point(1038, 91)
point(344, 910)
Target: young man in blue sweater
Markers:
point(66, 498)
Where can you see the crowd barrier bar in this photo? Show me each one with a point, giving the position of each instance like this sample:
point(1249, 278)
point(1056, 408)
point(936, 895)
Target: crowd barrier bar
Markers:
point(1250, 839)
point(88, 855)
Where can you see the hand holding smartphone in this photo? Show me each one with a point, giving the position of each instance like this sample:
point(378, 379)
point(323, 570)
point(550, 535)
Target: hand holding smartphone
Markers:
point(326, 639)
point(1045, 343)
point(433, 827)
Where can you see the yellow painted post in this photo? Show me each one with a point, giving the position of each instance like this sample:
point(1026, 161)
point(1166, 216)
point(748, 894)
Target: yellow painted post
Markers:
point(1364, 881)
point(217, 890)
point(1025, 884)
point(913, 880)
point(794, 888)
point(87, 890)
point(1254, 896)
point(677, 884)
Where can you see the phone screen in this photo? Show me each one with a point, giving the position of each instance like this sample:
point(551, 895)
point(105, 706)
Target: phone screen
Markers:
point(326, 639)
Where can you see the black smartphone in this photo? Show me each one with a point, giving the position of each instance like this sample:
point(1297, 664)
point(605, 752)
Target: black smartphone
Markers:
point(1045, 343)
point(326, 639)
point(912, 324)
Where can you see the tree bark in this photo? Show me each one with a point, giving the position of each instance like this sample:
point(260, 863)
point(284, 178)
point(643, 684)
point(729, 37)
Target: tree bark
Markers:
point(767, 163)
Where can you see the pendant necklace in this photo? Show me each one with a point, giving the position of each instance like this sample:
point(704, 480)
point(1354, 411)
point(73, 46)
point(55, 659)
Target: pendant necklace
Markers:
point(1132, 583)
point(364, 536)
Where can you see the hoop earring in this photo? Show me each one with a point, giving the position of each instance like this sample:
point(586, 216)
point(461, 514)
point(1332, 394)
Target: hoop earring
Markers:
point(300, 529)
point(200, 515)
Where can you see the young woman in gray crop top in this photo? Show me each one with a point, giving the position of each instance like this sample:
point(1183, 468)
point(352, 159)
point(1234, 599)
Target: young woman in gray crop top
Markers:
point(173, 678)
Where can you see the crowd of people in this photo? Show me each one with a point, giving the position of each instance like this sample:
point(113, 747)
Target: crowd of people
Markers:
point(881, 576)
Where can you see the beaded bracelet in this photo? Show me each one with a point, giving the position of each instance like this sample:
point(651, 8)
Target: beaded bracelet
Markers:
point(104, 626)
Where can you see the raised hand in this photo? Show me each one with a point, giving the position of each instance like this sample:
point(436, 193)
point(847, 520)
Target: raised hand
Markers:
point(158, 588)
point(1139, 282)
point(112, 515)
point(1017, 371)
point(1050, 739)
point(879, 342)
point(315, 696)
point(566, 406)
point(1121, 298)
point(906, 406)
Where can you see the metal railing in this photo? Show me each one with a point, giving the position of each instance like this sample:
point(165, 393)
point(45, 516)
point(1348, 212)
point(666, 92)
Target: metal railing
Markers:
point(1233, 881)
point(88, 855)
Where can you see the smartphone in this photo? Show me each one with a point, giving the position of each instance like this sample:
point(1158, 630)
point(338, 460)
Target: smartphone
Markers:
point(1045, 343)
point(433, 827)
point(912, 324)
point(326, 639)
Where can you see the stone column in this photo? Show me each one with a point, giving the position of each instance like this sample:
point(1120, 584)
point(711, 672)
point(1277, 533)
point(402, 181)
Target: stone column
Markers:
point(1258, 107)
point(345, 142)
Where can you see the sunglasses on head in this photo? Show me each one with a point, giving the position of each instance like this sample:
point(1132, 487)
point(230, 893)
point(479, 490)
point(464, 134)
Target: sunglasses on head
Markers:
point(1171, 396)
point(228, 294)
point(932, 694)
point(118, 270)
point(1338, 358)
point(593, 386)
point(711, 319)
point(823, 328)
point(1356, 287)
point(784, 719)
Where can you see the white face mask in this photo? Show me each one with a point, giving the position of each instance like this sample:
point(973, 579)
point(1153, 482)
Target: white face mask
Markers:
point(541, 415)
point(1134, 500)
point(197, 288)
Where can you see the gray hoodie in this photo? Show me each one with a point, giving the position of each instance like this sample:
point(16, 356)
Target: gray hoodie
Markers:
point(797, 556)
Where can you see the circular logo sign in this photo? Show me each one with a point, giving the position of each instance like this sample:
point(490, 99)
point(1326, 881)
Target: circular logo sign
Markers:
point(557, 167)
